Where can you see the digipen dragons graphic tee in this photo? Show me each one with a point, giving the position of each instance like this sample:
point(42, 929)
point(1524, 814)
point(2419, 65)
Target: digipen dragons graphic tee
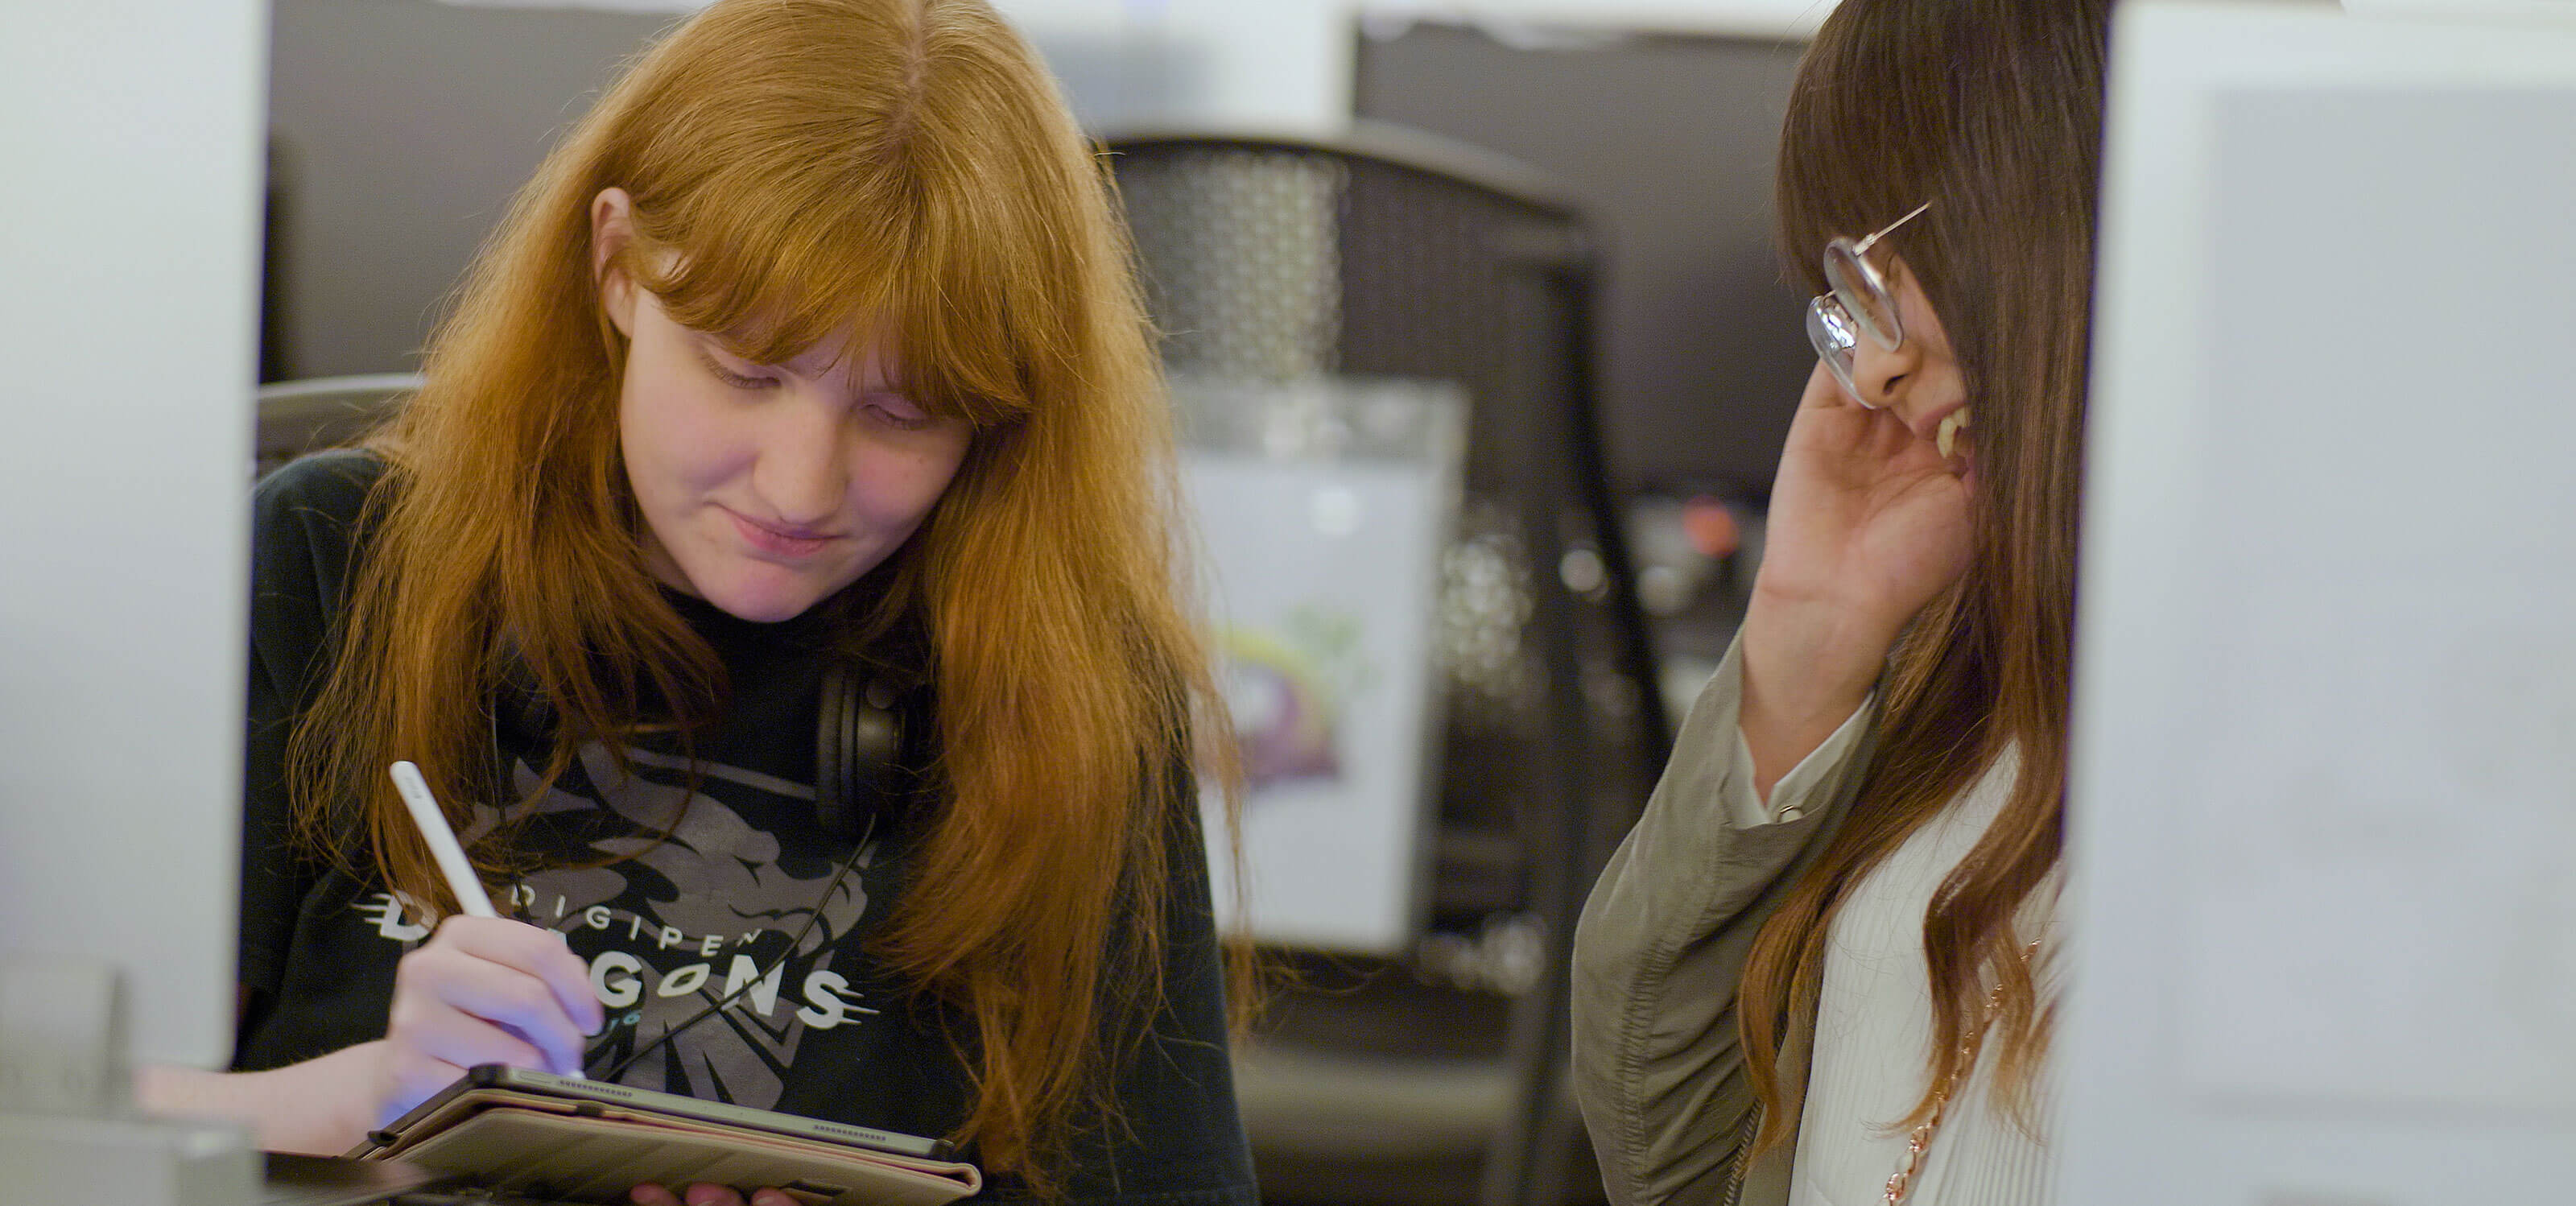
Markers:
point(683, 882)
point(722, 910)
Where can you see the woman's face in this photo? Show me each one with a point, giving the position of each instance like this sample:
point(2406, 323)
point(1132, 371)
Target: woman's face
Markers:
point(1919, 382)
point(766, 488)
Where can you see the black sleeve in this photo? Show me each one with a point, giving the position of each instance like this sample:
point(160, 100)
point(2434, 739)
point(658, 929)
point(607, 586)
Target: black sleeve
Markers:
point(1180, 1139)
point(303, 529)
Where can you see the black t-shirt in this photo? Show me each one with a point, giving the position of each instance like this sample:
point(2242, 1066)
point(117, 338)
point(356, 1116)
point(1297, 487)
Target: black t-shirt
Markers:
point(670, 926)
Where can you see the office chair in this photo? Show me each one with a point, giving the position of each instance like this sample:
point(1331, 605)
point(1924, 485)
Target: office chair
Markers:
point(1392, 252)
point(296, 417)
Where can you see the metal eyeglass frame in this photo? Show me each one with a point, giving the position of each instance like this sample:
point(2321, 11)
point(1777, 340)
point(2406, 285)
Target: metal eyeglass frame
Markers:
point(1859, 303)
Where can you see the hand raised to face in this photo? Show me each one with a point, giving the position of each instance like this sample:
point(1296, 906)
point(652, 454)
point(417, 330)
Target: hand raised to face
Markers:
point(1869, 522)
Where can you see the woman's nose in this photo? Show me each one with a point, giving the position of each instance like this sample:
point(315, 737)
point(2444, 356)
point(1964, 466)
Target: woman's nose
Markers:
point(803, 472)
point(1880, 375)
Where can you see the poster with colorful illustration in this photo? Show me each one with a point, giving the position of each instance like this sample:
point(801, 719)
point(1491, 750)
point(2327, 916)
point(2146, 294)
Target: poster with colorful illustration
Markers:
point(1322, 573)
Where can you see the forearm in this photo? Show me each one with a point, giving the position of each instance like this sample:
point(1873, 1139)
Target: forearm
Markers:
point(1661, 943)
point(322, 1106)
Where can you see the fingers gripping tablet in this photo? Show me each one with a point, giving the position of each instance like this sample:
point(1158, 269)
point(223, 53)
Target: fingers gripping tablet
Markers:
point(530, 1132)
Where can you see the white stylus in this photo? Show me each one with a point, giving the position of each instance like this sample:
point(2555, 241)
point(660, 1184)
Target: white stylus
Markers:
point(461, 879)
point(452, 863)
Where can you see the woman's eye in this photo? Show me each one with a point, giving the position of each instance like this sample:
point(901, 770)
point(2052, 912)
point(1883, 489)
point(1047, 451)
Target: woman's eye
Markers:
point(734, 379)
point(901, 415)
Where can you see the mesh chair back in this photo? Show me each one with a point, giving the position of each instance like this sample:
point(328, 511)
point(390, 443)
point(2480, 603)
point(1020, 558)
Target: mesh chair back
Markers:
point(296, 417)
point(1396, 254)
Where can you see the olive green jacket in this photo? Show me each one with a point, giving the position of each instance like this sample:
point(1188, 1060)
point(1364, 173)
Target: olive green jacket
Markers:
point(1658, 1066)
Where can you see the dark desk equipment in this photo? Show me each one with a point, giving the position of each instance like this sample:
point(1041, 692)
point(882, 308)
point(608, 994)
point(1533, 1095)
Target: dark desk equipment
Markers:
point(1668, 142)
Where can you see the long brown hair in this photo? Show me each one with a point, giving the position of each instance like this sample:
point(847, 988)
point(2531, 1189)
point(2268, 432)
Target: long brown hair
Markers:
point(801, 168)
point(1991, 110)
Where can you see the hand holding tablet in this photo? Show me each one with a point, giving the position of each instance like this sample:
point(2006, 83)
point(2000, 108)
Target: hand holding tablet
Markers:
point(588, 1141)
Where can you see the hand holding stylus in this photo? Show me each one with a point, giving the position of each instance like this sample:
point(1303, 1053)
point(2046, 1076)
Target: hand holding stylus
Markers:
point(482, 990)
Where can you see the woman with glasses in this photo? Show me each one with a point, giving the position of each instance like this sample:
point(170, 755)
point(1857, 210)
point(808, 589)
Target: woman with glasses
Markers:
point(1823, 968)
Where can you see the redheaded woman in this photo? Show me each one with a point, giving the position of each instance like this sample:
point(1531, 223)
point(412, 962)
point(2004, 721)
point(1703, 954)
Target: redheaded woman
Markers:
point(810, 364)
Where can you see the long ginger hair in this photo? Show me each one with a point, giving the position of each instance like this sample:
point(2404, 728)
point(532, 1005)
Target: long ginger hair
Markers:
point(1991, 110)
point(801, 168)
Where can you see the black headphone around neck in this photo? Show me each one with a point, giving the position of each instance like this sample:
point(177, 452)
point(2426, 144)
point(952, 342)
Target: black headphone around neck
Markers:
point(860, 773)
point(862, 762)
point(859, 753)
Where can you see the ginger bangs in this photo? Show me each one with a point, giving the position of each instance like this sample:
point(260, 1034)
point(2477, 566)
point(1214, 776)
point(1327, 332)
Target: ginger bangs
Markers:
point(930, 217)
point(770, 290)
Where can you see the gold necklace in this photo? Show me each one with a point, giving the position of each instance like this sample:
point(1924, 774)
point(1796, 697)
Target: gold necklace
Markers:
point(1961, 1062)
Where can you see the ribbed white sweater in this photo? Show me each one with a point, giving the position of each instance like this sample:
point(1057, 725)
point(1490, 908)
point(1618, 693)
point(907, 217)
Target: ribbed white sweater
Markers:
point(1874, 1019)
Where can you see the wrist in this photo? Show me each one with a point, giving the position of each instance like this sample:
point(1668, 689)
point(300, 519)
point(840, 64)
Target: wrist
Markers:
point(1802, 680)
point(352, 1083)
point(1812, 662)
point(321, 1107)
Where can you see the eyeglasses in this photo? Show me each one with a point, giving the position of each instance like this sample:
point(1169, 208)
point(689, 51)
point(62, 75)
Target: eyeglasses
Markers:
point(1860, 303)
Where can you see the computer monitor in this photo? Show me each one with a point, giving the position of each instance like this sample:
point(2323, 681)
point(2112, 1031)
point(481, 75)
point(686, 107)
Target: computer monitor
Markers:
point(129, 242)
point(2323, 807)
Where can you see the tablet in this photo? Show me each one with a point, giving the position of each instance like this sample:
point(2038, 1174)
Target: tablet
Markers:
point(548, 1136)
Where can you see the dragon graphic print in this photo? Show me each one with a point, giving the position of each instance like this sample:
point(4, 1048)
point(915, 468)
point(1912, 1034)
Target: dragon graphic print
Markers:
point(679, 899)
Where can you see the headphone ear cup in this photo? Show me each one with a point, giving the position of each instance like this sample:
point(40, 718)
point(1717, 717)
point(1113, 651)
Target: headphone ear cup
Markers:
point(834, 801)
point(873, 756)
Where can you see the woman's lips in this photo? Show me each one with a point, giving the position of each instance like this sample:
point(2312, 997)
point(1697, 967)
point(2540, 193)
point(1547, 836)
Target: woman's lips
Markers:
point(774, 542)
